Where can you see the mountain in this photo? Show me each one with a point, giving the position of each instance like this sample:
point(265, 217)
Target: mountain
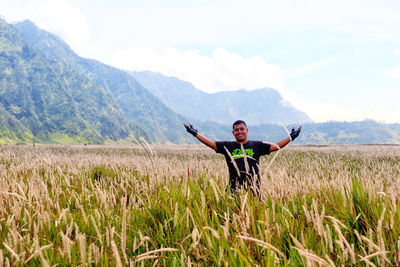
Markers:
point(324, 133)
point(49, 94)
point(264, 105)
point(47, 101)
point(263, 121)
point(357, 132)
point(333, 132)
point(138, 104)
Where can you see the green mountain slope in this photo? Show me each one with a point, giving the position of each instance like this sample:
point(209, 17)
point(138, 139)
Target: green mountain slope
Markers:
point(96, 106)
point(31, 91)
point(138, 104)
point(11, 130)
point(50, 101)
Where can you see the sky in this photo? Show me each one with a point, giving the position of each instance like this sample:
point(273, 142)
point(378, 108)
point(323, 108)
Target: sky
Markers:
point(334, 60)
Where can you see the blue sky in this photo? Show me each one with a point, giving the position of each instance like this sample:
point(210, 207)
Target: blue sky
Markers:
point(335, 60)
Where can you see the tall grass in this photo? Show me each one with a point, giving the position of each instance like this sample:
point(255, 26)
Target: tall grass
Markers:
point(111, 205)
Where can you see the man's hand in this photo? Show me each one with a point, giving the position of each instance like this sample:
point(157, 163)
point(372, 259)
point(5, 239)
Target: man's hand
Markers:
point(190, 129)
point(295, 133)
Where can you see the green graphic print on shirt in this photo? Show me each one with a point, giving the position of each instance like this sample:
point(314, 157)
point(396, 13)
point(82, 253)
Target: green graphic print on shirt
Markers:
point(238, 153)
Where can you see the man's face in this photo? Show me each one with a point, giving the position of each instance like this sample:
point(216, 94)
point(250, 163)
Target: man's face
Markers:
point(240, 132)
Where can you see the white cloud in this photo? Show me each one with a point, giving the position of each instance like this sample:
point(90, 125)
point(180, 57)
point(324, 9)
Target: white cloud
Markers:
point(222, 71)
point(65, 19)
point(397, 53)
point(394, 73)
point(61, 17)
point(321, 112)
point(308, 68)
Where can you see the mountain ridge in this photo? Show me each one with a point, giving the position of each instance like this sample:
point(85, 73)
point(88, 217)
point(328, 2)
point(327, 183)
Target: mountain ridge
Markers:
point(264, 105)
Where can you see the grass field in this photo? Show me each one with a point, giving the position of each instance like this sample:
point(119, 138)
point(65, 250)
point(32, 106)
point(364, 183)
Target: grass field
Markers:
point(131, 205)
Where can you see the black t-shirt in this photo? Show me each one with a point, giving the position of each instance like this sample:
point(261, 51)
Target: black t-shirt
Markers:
point(253, 151)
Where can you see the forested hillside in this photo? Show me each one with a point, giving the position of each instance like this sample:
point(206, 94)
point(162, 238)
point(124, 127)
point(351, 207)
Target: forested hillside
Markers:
point(48, 101)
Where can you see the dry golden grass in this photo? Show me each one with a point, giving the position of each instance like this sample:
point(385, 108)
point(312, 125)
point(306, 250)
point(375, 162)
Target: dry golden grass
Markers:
point(134, 205)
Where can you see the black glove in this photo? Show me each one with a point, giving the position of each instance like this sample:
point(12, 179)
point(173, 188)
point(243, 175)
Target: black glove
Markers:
point(295, 133)
point(190, 129)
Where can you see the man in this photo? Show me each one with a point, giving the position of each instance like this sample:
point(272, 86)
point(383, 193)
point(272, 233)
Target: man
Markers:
point(242, 155)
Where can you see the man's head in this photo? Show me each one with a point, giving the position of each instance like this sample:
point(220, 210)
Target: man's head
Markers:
point(240, 131)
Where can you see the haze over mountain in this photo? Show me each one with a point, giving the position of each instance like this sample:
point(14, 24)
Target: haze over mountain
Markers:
point(260, 106)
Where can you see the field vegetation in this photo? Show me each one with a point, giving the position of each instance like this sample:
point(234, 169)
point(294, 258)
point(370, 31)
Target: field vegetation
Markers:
point(168, 206)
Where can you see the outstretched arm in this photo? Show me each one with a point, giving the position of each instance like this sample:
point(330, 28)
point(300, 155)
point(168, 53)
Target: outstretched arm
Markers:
point(284, 142)
point(201, 138)
point(207, 141)
point(281, 144)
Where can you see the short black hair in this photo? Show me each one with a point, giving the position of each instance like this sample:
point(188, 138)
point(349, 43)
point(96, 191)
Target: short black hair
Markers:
point(238, 122)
